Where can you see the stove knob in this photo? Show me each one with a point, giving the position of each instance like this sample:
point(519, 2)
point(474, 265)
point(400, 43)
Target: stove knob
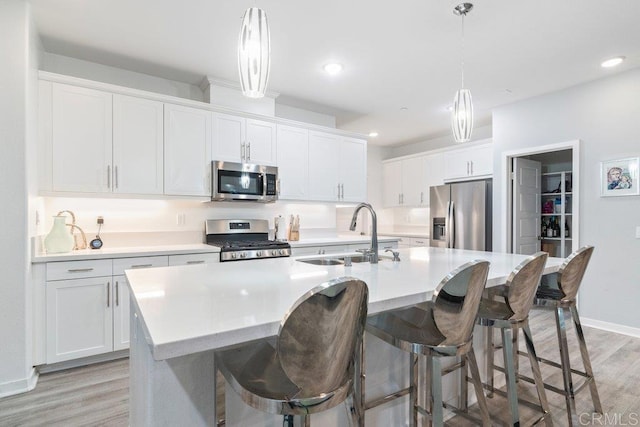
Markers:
point(259, 253)
point(274, 252)
point(243, 254)
point(234, 255)
point(282, 252)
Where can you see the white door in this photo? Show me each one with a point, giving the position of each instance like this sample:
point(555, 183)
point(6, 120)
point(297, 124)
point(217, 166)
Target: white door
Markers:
point(137, 145)
point(391, 183)
point(526, 206)
point(120, 303)
point(187, 151)
point(353, 170)
point(323, 166)
point(229, 137)
point(412, 179)
point(293, 160)
point(260, 145)
point(79, 318)
point(81, 139)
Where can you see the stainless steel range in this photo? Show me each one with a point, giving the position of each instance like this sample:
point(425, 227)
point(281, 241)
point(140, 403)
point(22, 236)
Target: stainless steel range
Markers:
point(244, 239)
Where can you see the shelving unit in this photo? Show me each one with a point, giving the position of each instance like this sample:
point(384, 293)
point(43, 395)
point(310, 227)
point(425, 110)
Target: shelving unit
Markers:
point(557, 208)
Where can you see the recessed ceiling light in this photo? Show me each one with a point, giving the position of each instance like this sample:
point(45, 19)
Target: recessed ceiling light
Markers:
point(333, 68)
point(612, 62)
point(373, 134)
point(404, 108)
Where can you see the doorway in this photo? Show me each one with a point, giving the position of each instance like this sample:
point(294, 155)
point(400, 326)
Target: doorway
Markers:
point(542, 199)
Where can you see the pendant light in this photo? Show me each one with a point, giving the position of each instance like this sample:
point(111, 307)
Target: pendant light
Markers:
point(254, 53)
point(462, 115)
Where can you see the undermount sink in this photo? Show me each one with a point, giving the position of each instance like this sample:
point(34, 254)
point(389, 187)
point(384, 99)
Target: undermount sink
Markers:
point(339, 260)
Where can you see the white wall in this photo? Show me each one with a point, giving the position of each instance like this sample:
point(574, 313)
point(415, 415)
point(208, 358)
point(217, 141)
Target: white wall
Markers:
point(604, 115)
point(480, 132)
point(19, 45)
point(102, 73)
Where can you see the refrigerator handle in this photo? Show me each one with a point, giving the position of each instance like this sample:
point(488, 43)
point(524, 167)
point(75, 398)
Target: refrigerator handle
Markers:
point(452, 233)
point(447, 226)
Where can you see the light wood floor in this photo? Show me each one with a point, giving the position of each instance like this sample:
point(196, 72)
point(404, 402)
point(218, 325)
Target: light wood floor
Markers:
point(98, 394)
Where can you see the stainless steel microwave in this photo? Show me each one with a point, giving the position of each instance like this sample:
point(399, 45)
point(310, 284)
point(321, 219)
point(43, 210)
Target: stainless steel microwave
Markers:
point(243, 181)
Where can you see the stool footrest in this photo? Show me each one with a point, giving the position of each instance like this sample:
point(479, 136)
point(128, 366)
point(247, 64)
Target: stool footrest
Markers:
point(388, 398)
point(556, 365)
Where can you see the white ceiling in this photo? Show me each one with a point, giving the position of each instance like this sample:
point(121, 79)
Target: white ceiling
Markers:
point(395, 54)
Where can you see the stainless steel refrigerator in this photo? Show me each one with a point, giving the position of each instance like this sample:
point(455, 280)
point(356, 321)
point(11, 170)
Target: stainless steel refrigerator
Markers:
point(460, 215)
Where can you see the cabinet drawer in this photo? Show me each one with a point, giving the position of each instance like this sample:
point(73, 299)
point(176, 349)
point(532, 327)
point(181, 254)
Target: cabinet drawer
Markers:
point(122, 264)
point(189, 259)
point(419, 242)
point(78, 269)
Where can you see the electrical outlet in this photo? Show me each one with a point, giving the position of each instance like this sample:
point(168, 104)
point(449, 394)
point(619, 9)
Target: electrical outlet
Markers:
point(638, 232)
point(37, 217)
point(181, 218)
point(100, 220)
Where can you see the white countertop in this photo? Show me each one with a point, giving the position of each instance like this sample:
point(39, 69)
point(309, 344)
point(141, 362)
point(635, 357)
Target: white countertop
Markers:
point(188, 309)
point(126, 252)
point(140, 251)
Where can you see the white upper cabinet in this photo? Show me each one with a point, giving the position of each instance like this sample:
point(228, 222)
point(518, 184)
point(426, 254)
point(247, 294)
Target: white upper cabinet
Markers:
point(293, 160)
point(469, 163)
point(81, 126)
point(392, 183)
point(187, 151)
point(432, 175)
point(413, 181)
point(137, 145)
point(353, 169)
point(337, 168)
point(406, 181)
point(237, 139)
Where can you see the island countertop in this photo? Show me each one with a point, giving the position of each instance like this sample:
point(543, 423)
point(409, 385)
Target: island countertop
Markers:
point(188, 309)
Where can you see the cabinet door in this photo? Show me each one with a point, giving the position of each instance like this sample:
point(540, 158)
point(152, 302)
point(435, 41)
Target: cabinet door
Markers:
point(293, 161)
point(412, 182)
point(481, 159)
point(353, 170)
point(391, 183)
point(323, 166)
point(137, 145)
point(260, 143)
point(229, 137)
point(120, 302)
point(79, 318)
point(456, 164)
point(432, 175)
point(80, 139)
point(187, 151)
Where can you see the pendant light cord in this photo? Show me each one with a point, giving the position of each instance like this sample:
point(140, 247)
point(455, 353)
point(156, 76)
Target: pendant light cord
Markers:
point(462, 48)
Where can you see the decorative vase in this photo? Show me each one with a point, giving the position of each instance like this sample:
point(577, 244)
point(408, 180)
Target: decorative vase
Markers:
point(59, 239)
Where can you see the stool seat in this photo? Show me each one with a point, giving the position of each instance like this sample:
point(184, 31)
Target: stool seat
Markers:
point(312, 364)
point(549, 294)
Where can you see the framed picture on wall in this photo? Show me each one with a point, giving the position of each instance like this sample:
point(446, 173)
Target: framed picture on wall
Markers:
point(620, 177)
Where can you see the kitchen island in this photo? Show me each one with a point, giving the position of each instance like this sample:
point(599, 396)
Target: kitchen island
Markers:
point(181, 315)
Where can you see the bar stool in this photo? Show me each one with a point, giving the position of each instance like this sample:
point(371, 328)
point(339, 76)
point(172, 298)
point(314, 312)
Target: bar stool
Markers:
point(310, 365)
point(507, 308)
point(563, 301)
point(442, 327)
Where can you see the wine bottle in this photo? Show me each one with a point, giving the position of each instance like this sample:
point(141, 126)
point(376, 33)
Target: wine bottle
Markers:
point(566, 229)
point(549, 230)
point(544, 228)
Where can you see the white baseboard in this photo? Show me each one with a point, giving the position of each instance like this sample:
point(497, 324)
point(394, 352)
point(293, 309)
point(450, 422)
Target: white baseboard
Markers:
point(20, 386)
point(611, 327)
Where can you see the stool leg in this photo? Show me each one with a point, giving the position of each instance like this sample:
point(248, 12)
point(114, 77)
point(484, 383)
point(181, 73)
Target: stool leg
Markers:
point(357, 402)
point(477, 385)
point(586, 361)
point(437, 412)
point(516, 360)
point(428, 399)
point(464, 388)
point(413, 389)
point(306, 420)
point(535, 369)
point(490, 353)
point(566, 367)
point(512, 392)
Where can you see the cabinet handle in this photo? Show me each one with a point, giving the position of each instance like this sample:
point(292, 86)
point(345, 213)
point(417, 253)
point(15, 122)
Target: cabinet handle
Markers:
point(80, 270)
point(421, 197)
point(117, 295)
point(108, 293)
point(141, 265)
point(470, 167)
point(399, 199)
point(248, 151)
point(196, 262)
point(116, 176)
point(278, 186)
point(109, 176)
point(242, 151)
point(342, 191)
point(338, 191)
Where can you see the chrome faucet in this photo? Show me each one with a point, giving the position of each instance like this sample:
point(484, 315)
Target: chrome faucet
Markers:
point(373, 251)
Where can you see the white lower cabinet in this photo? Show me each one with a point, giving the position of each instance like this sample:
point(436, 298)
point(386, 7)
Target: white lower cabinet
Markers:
point(87, 308)
point(193, 259)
